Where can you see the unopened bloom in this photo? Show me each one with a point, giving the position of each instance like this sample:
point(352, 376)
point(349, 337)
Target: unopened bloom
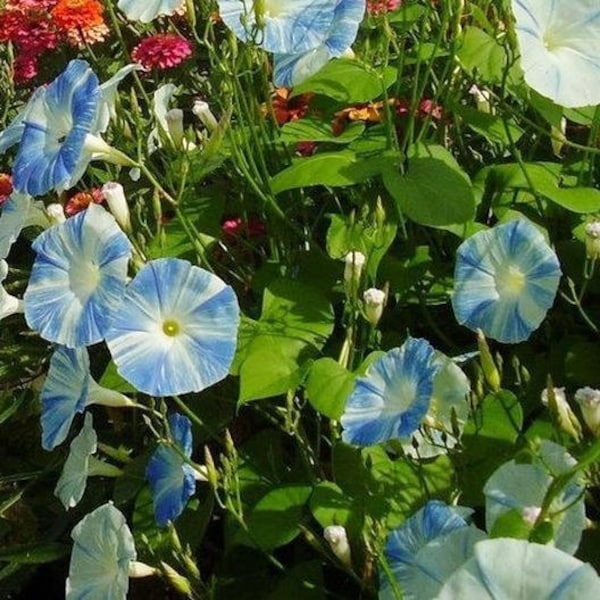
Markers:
point(202, 110)
point(505, 281)
point(176, 329)
point(374, 300)
point(556, 401)
point(172, 480)
point(117, 203)
point(592, 240)
point(353, 265)
point(337, 538)
point(589, 402)
point(162, 51)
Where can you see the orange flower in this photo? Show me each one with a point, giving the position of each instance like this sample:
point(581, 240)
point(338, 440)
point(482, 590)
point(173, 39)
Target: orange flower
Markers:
point(288, 109)
point(81, 20)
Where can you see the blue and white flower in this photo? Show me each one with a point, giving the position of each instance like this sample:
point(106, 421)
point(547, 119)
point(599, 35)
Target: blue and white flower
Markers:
point(293, 68)
point(72, 482)
point(172, 480)
point(505, 281)
point(390, 402)
point(520, 570)
point(103, 552)
point(147, 10)
point(78, 278)
point(523, 487)
point(176, 330)
point(426, 550)
point(67, 390)
point(560, 49)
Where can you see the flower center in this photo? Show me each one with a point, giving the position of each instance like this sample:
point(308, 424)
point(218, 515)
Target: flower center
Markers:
point(274, 8)
point(510, 281)
point(552, 41)
point(84, 277)
point(171, 328)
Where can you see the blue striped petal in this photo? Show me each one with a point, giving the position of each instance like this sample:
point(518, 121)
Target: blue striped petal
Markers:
point(171, 479)
point(65, 393)
point(289, 27)
point(521, 570)
point(176, 329)
point(56, 125)
point(560, 49)
point(392, 399)
point(147, 10)
point(505, 281)
point(78, 278)
point(71, 485)
point(103, 549)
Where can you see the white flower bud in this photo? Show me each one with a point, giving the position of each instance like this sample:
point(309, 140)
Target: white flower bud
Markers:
point(135, 174)
point(561, 411)
point(589, 401)
point(374, 300)
point(140, 569)
point(174, 119)
point(482, 99)
point(115, 198)
point(203, 112)
point(55, 213)
point(592, 240)
point(338, 541)
point(355, 261)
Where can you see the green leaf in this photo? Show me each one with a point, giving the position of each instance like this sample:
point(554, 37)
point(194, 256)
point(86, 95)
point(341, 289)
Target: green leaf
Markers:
point(328, 386)
point(275, 519)
point(295, 323)
point(489, 126)
point(113, 381)
point(34, 554)
point(348, 82)
point(330, 505)
point(315, 130)
point(128, 485)
point(480, 54)
point(435, 191)
point(303, 581)
point(406, 16)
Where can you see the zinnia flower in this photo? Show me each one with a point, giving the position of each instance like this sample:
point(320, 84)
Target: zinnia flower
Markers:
point(176, 329)
point(520, 570)
point(78, 278)
point(426, 549)
point(394, 396)
point(103, 552)
point(505, 281)
point(171, 479)
point(560, 49)
point(147, 10)
point(81, 200)
point(162, 51)
point(6, 187)
point(80, 21)
point(379, 7)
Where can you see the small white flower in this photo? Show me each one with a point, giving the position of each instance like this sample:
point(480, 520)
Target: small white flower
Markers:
point(203, 112)
point(589, 401)
point(338, 541)
point(117, 203)
point(55, 213)
point(592, 240)
point(374, 300)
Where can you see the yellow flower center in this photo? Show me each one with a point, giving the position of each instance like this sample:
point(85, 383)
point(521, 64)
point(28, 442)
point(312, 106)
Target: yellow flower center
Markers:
point(510, 281)
point(171, 328)
point(273, 8)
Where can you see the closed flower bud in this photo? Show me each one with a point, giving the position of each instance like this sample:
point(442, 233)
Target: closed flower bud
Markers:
point(203, 112)
point(374, 300)
point(140, 569)
point(482, 99)
point(338, 541)
point(355, 262)
point(589, 402)
point(556, 401)
point(115, 198)
point(55, 213)
point(592, 240)
point(174, 119)
point(488, 366)
point(178, 581)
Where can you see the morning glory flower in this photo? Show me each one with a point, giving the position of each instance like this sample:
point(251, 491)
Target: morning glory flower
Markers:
point(78, 278)
point(426, 550)
point(505, 281)
point(394, 396)
point(71, 485)
point(67, 390)
point(172, 480)
point(56, 126)
point(523, 487)
point(103, 551)
point(521, 570)
point(293, 68)
point(147, 10)
point(560, 49)
point(9, 304)
point(176, 329)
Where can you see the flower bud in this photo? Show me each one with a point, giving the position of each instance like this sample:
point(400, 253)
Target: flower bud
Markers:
point(174, 119)
point(140, 569)
point(338, 541)
point(55, 213)
point(374, 300)
point(558, 137)
point(355, 262)
point(115, 198)
point(589, 402)
point(592, 240)
point(203, 112)
point(482, 99)
point(488, 366)
point(178, 581)
point(556, 401)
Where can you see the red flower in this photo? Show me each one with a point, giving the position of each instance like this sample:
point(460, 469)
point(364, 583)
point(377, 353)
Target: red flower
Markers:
point(162, 51)
point(81, 200)
point(80, 21)
point(378, 7)
point(288, 109)
point(236, 227)
point(6, 187)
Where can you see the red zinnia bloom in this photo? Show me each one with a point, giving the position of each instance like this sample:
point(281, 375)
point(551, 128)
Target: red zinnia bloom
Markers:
point(378, 7)
point(6, 187)
point(162, 51)
point(81, 21)
point(26, 67)
point(81, 200)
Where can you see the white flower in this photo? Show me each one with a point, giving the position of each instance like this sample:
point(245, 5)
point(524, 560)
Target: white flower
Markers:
point(338, 540)
point(592, 240)
point(374, 300)
point(589, 401)
point(117, 203)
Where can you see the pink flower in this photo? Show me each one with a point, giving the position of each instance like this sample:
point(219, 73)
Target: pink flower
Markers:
point(378, 7)
point(26, 67)
point(6, 187)
point(162, 51)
